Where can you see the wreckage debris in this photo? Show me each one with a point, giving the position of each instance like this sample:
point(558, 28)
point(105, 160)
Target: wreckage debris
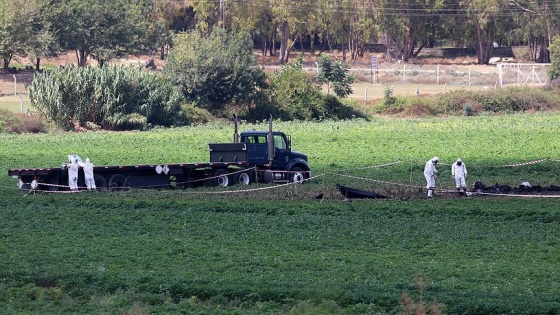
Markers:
point(523, 188)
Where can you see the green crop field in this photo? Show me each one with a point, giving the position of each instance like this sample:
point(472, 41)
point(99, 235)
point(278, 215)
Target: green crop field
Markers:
point(266, 249)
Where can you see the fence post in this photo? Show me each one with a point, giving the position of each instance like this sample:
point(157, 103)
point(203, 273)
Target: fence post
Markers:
point(437, 74)
point(367, 86)
point(15, 84)
point(21, 104)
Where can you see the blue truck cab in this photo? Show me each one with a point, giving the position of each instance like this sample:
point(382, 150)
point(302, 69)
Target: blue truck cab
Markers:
point(272, 152)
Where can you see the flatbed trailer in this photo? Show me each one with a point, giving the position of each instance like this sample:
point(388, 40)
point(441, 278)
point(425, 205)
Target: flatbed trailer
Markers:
point(253, 156)
point(137, 176)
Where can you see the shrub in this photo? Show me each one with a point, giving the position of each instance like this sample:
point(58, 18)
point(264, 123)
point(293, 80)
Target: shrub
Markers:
point(115, 98)
point(19, 123)
point(509, 100)
point(294, 95)
point(195, 115)
point(468, 110)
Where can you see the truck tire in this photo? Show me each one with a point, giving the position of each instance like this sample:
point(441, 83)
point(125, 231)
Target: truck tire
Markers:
point(100, 181)
point(118, 182)
point(243, 178)
point(297, 175)
point(221, 178)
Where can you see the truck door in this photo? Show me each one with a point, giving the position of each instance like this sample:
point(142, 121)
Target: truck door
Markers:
point(282, 151)
point(256, 147)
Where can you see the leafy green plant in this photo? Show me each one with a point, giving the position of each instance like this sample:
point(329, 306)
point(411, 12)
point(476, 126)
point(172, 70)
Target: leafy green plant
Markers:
point(115, 98)
point(554, 71)
point(335, 74)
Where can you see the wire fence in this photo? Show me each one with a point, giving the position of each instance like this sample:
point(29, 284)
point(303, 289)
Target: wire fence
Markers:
point(405, 79)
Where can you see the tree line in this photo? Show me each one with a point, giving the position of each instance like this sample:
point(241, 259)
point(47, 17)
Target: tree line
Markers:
point(107, 29)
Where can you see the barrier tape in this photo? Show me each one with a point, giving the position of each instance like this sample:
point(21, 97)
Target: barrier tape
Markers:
point(448, 191)
point(524, 163)
point(373, 166)
point(84, 189)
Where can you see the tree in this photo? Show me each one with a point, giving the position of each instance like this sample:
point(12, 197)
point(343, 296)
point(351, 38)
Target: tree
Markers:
point(554, 71)
point(16, 28)
point(216, 70)
point(484, 17)
point(42, 41)
point(336, 74)
point(102, 29)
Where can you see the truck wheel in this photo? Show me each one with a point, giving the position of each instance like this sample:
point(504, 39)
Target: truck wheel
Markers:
point(100, 181)
point(117, 182)
point(244, 178)
point(221, 178)
point(297, 175)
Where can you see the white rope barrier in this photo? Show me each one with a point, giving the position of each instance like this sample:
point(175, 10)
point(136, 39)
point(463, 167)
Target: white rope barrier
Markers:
point(33, 188)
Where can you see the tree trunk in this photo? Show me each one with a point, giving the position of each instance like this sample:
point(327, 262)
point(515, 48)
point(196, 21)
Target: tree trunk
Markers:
point(388, 48)
point(544, 54)
point(7, 62)
point(312, 44)
point(485, 41)
point(273, 42)
point(415, 54)
point(162, 52)
point(284, 43)
point(533, 46)
point(38, 64)
point(82, 56)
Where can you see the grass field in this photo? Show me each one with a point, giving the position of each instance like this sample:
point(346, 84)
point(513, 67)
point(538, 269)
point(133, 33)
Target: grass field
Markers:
point(279, 250)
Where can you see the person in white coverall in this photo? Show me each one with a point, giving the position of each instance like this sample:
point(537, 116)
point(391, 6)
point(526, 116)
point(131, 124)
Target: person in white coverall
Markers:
point(88, 175)
point(73, 174)
point(430, 172)
point(459, 173)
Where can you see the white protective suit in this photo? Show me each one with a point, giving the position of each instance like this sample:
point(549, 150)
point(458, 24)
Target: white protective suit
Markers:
point(73, 174)
point(88, 175)
point(430, 173)
point(459, 173)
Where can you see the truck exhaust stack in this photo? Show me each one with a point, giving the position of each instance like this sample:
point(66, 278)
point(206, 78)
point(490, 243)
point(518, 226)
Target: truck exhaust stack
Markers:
point(235, 133)
point(270, 142)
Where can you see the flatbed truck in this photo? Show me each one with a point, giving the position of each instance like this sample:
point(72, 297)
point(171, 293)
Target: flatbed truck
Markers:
point(253, 156)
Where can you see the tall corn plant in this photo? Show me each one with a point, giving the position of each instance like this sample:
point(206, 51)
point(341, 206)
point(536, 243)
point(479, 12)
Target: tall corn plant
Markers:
point(115, 98)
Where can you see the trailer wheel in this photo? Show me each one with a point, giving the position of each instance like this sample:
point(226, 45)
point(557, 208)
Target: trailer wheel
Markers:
point(243, 178)
point(100, 181)
point(297, 175)
point(221, 178)
point(117, 182)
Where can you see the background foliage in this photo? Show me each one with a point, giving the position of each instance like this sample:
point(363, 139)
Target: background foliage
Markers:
point(113, 97)
point(215, 71)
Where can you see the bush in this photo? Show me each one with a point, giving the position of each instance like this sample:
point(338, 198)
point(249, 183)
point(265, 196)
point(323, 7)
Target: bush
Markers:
point(19, 123)
point(115, 98)
point(295, 97)
point(509, 100)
